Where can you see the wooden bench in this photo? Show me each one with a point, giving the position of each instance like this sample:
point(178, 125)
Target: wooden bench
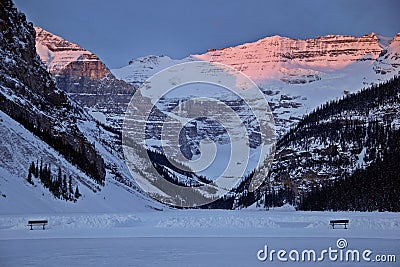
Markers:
point(38, 222)
point(339, 222)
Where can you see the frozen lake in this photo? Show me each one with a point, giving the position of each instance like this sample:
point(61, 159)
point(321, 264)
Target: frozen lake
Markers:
point(195, 238)
point(172, 251)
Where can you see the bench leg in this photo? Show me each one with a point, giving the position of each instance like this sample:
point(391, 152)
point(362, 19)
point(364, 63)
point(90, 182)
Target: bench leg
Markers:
point(43, 226)
point(31, 227)
point(345, 226)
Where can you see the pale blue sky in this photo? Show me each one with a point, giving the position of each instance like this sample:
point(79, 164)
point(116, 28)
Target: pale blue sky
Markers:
point(118, 30)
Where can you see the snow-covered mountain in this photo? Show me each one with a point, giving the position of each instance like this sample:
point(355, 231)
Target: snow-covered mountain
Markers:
point(83, 76)
point(39, 123)
point(295, 75)
point(140, 69)
point(281, 58)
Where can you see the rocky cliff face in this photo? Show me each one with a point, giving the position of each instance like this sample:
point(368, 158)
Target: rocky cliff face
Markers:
point(29, 95)
point(274, 57)
point(84, 77)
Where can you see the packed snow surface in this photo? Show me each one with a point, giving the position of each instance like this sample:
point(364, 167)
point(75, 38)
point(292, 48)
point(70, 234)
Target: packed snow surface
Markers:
point(190, 237)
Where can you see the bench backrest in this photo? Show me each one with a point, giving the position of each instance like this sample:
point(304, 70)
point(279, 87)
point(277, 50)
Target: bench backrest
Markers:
point(339, 221)
point(38, 221)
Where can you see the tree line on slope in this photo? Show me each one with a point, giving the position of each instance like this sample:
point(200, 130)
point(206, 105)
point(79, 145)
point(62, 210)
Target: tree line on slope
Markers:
point(59, 185)
point(375, 188)
point(362, 103)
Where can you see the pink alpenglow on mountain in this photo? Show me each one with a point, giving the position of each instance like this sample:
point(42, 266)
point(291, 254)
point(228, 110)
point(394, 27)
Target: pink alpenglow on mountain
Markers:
point(275, 57)
point(63, 57)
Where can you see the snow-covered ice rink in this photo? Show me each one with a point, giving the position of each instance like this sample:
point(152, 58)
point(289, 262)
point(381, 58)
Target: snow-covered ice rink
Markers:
point(193, 238)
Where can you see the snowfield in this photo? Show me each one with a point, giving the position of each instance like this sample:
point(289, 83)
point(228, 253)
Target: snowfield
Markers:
point(19, 147)
point(192, 237)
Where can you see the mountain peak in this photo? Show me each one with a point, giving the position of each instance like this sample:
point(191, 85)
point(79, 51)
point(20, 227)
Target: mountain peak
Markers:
point(61, 56)
point(372, 34)
point(54, 41)
point(396, 37)
point(149, 59)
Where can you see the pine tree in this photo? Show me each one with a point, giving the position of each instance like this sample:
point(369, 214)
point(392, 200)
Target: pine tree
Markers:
point(29, 176)
point(59, 176)
point(77, 194)
point(64, 188)
point(31, 171)
point(37, 169)
point(32, 167)
point(70, 189)
point(41, 168)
